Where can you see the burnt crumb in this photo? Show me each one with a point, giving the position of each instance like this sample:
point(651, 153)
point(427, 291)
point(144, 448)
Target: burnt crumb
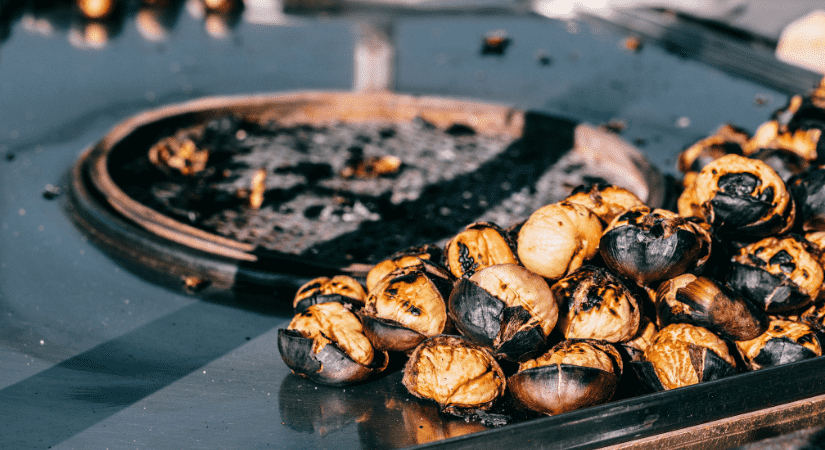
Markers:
point(640, 142)
point(313, 211)
point(459, 129)
point(615, 126)
point(543, 58)
point(10, 156)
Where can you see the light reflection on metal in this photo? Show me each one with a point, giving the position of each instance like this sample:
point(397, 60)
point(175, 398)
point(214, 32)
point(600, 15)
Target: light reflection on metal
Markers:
point(91, 35)
point(96, 9)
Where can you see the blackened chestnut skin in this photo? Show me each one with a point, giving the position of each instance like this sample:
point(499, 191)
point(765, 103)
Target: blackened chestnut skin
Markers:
point(330, 366)
point(561, 388)
point(785, 341)
point(808, 190)
point(706, 303)
point(647, 246)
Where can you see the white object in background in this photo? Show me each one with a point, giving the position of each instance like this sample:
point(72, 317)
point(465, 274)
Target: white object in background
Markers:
point(700, 8)
point(374, 56)
point(802, 42)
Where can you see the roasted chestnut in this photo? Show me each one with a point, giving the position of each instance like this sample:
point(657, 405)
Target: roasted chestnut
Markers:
point(558, 238)
point(605, 200)
point(340, 288)
point(726, 140)
point(636, 347)
point(709, 304)
point(814, 316)
point(407, 306)
point(403, 258)
point(774, 135)
point(479, 245)
point(459, 375)
point(739, 196)
point(777, 274)
point(786, 163)
point(808, 190)
point(573, 374)
point(647, 246)
point(505, 308)
point(595, 304)
point(783, 342)
point(682, 354)
point(326, 344)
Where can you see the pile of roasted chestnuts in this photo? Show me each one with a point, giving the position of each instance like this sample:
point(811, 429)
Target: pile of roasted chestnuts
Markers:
point(557, 310)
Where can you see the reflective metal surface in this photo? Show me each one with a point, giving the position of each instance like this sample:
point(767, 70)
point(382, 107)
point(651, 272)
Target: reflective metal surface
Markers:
point(94, 356)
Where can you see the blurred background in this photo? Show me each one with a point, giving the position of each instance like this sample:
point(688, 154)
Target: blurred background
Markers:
point(92, 356)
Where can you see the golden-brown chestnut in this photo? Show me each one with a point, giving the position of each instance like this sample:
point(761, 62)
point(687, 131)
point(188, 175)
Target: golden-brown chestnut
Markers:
point(682, 354)
point(343, 289)
point(326, 344)
point(572, 375)
point(505, 308)
point(778, 274)
point(558, 238)
point(403, 258)
point(784, 341)
point(595, 304)
point(407, 306)
point(740, 196)
point(726, 140)
point(709, 304)
point(605, 200)
point(479, 245)
point(773, 135)
point(647, 245)
point(459, 375)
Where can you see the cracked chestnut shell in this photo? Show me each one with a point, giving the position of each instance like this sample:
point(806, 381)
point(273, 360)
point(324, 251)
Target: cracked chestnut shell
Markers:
point(809, 193)
point(777, 274)
point(403, 258)
point(636, 347)
point(595, 304)
point(814, 316)
point(726, 140)
point(709, 304)
point(682, 354)
point(574, 374)
point(558, 238)
point(340, 288)
point(407, 306)
point(784, 342)
point(326, 344)
point(505, 308)
point(457, 374)
point(479, 245)
point(739, 196)
point(647, 245)
point(605, 200)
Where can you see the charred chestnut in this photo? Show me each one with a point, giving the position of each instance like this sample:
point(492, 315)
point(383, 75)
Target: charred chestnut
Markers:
point(814, 317)
point(777, 274)
point(809, 193)
point(647, 246)
point(557, 238)
point(605, 200)
point(783, 342)
point(326, 344)
point(403, 258)
point(786, 163)
point(740, 196)
point(505, 308)
point(709, 304)
point(407, 306)
point(774, 135)
point(727, 140)
point(340, 288)
point(595, 304)
point(574, 374)
point(682, 354)
point(459, 375)
point(479, 245)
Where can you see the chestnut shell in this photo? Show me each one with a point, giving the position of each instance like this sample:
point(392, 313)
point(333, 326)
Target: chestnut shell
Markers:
point(330, 366)
point(782, 343)
point(709, 304)
point(647, 246)
point(482, 318)
point(560, 388)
